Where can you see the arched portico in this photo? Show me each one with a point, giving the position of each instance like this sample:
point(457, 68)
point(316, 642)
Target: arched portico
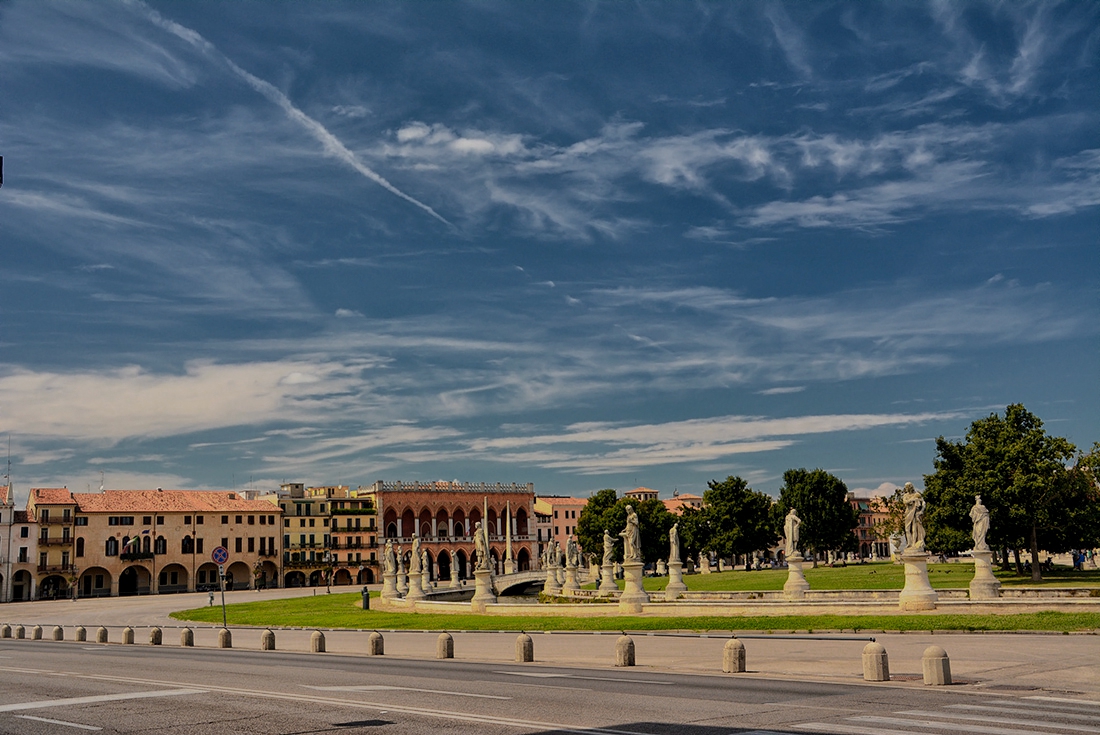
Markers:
point(295, 578)
point(94, 582)
point(206, 577)
point(172, 578)
point(444, 564)
point(523, 561)
point(366, 576)
point(22, 586)
point(341, 577)
point(134, 580)
point(238, 576)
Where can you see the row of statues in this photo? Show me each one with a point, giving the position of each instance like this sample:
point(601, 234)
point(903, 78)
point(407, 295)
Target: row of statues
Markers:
point(418, 558)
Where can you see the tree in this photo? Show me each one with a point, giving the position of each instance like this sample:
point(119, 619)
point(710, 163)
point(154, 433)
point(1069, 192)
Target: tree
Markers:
point(605, 510)
point(1036, 500)
point(734, 519)
point(821, 500)
point(590, 525)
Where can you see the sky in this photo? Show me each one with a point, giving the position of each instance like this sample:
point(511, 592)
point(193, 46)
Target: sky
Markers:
point(583, 245)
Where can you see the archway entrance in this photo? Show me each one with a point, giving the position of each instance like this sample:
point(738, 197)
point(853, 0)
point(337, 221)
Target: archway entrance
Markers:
point(294, 579)
point(444, 563)
point(53, 587)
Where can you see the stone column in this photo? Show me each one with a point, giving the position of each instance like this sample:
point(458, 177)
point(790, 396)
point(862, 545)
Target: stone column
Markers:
point(984, 586)
point(552, 586)
point(435, 527)
point(483, 591)
point(389, 586)
point(571, 578)
point(607, 581)
point(450, 527)
point(796, 585)
point(633, 596)
point(917, 593)
point(675, 584)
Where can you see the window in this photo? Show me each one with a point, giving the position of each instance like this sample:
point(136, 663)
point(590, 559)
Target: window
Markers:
point(82, 521)
point(80, 546)
point(237, 544)
point(311, 523)
point(65, 534)
point(111, 548)
point(160, 520)
point(263, 546)
point(555, 530)
point(286, 523)
point(286, 539)
point(263, 520)
point(271, 544)
point(301, 522)
point(322, 507)
point(239, 519)
point(160, 546)
point(312, 539)
point(42, 559)
point(45, 515)
point(187, 546)
point(251, 545)
point(147, 520)
point(555, 514)
point(198, 546)
point(187, 520)
point(271, 520)
point(24, 532)
point(225, 520)
point(66, 514)
point(64, 558)
point(198, 519)
point(325, 522)
point(44, 535)
point(225, 543)
point(251, 520)
point(23, 554)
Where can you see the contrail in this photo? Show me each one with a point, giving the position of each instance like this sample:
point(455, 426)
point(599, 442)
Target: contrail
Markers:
point(331, 144)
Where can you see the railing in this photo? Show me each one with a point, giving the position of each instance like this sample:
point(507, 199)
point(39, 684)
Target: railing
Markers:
point(135, 555)
point(56, 522)
point(354, 511)
point(54, 541)
point(63, 568)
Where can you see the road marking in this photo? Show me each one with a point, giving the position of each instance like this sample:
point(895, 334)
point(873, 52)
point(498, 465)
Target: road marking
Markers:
point(998, 720)
point(1020, 711)
point(585, 678)
point(1054, 707)
point(74, 701)
point(1063, 699)
point(58, 722)
point(386, 688)
point(953, 726)
point(819, 727)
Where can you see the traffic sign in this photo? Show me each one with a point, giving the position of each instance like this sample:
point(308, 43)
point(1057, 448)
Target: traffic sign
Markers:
point(220, 555)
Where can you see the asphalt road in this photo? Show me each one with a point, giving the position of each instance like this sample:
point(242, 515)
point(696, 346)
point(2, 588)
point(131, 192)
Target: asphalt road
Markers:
point(70, 687)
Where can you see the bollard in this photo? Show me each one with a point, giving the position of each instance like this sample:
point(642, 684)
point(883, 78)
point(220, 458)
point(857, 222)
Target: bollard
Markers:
point(445, 646)
point(127, 635)
point(876, 666)
point(375, 645)
point(317, 642)
point(5, 631)
point(36, 633)
point(58, 633)
point(267, 640)
point(733, 657)
point(366, 598)
point(101, 635)
point(525, 649)
point(187, 637)
point(225, 638)
point(155, 636)
point(624, 651)
point(19, 632)
point(81, 633)
point(937, 667)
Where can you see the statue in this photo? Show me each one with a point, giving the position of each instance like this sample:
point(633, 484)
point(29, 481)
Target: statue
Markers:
point(571, 552)
point(914, 525)
point(414, 557)
point(481, 546)
point(389, 559)
point(632, 537)
point(980, 515)
point(674, 543)
point(425, 565)
point(790, 530)
point(608, 548)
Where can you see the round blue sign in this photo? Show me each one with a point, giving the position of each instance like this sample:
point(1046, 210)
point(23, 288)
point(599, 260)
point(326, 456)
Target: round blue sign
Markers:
point(220, 555)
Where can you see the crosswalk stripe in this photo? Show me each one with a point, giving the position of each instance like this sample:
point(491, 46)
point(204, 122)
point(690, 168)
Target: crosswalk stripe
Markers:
point(1021, 711)
point(999, 720)
point(940, 724)
point(841, 729)
point(72, 701)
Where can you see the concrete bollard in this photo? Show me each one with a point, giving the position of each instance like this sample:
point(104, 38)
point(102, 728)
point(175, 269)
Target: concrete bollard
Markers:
point(317, 642)
point(5, 631)
point(267, 640)
point(375, 645)
point(187, 637)
point(225, 638)
point(876, 665)
point(127, 635)
point(36, 633)
point(624, 651)
point(155, 636)
point(58, 633)
point(81, 634)
point(445, 646)
point(19, 632)
point(937, 666)
point(733, 657)
point(525, 649)
point(101, 635)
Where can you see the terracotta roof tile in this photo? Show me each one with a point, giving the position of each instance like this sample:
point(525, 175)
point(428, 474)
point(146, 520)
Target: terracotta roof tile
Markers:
point(21, 516)
point(51, 495)
point(167, 501)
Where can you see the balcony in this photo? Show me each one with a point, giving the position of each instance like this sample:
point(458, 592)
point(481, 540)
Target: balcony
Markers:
point(135, 555)
point(353, 511)
point(56, 522)
point(56, 568)
point(55, 541)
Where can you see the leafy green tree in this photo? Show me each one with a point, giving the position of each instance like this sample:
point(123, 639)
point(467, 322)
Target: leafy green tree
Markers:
point(606, 510)
point(734, 520)
point(821, 500)
point(1036, 500)
point(590, 525)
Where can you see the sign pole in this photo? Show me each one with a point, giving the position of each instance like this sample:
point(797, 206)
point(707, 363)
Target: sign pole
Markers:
point(220, 556)
point(221, 578)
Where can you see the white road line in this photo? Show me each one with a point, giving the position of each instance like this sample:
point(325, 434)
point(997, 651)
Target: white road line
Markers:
point(1021, 711)
point(999, 720)
point(1053, 707)
point(387, 688)
point(953, 726)
point(1064, 699)
point(58, 722)
point(74, 701)
point(539, 675)
point(851, 729)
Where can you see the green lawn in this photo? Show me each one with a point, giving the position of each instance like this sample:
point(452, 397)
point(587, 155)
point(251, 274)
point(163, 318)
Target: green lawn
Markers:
point(339, 611)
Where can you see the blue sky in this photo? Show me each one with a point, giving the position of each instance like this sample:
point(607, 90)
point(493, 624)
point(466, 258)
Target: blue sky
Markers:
point(582, 245)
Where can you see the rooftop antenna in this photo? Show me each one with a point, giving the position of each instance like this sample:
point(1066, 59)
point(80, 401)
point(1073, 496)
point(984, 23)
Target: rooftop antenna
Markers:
point(101, 481)
point(7, 473)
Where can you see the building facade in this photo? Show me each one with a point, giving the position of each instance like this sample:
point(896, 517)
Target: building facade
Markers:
point(18, 551)
point(564, 512)
point(871, 545)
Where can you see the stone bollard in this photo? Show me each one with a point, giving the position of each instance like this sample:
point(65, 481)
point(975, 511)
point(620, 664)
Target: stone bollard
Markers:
point(445, 646)
point(267, 640)
point(187, 637)
point(101, 635)
point(36, 633)
point(375, 645)
point(5, 631)
point(127, 635)
point(81, 633)
point(58, 633)
point(317, 642)
point(525, 649)
point(19, 632)
point(937, 667)
point(733, 657)
point(155, 636)
point(876, 666)
point(225, 638)
point(624, 651)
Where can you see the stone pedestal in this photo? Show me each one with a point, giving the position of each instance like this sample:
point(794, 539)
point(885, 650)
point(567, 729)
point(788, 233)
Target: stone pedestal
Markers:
point(984, 586)
point(415, 592)
point(571, 579)
point(917, 594)
point(796, 585)
point(402, 584)
point(483, 591)
point(676, 584)
point(634, 596)
point(509, 566)
point(389, 586)
point(607, 581)
point(426, 580)
point(455, 584)
point(704, 564)
point(552, 587)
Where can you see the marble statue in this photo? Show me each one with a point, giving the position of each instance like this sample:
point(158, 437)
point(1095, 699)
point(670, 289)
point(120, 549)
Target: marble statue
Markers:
point(914, 520)
point(662, 568)
point(425, 565)
point(608, 548)
point(572, 554)
point(790, 530)
point(414, 558)
point(632, 537)
point(481, 546)
point(389, 559)
point(980, 515)
point(674, 543)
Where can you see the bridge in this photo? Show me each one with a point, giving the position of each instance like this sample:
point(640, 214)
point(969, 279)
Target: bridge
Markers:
point(518, 583)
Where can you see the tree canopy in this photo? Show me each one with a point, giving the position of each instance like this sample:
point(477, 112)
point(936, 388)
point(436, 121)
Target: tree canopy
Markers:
point(734, 519)
point(606, 510)
point(821, 500)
